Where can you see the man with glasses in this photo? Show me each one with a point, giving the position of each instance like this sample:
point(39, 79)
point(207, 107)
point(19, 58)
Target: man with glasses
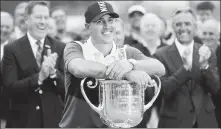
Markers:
point(99, 57)
point(190, 80)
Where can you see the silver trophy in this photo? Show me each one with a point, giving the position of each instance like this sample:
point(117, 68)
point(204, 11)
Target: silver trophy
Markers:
point(121, 103)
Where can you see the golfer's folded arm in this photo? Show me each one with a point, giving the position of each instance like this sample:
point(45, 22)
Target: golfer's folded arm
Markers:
point(76, 64)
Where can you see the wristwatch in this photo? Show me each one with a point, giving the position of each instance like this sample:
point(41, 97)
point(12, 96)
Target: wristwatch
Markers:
point(133, 62)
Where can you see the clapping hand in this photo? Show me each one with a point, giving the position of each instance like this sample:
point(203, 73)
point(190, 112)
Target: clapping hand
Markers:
point(48, 66)
point(205, 54)
point(51, 60)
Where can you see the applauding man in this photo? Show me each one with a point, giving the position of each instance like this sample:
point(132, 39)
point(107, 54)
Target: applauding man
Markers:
point(33, 73)
point(191, 78)
point(100, 58)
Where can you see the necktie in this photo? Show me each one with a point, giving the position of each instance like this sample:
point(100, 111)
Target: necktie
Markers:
point(39, 53)
point(186, 57)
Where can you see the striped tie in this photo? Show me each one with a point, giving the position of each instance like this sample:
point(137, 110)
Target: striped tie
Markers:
point(39, 53)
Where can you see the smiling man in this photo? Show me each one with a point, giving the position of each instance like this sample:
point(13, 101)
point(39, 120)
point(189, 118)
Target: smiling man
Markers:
point(99, 58)
point(191, 78)
point(33, 84)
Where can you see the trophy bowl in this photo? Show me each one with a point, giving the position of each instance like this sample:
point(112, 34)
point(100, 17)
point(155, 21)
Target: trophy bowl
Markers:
point(121, 103)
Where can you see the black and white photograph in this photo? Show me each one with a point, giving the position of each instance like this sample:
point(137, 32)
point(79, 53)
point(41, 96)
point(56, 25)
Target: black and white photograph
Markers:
point(110, 64)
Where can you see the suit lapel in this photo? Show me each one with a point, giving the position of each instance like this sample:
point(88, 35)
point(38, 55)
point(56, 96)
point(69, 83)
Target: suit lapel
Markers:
point(27, 55)
point(175, 56)
point(195, 62)
point(197, 99)
point(47, 45)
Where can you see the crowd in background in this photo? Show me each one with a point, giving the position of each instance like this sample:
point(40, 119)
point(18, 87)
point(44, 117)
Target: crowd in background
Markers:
point(148, 33)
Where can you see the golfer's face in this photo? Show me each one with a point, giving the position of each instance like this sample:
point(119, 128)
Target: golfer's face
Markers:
point(103, 29)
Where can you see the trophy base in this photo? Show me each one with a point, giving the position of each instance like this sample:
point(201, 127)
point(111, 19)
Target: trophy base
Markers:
point(120, 124)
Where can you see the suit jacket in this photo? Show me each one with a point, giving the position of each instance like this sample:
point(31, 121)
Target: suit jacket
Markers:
point(30, 108)
point(186, 93)
point(218, 58)
point(4, 102)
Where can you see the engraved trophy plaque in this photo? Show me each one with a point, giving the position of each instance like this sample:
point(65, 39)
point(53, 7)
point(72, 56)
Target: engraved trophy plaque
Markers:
point(121, 103)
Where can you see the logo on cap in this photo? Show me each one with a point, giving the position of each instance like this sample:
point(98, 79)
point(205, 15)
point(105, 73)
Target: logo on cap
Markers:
point(102, 6)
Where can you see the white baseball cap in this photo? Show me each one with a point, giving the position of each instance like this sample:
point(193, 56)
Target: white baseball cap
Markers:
point(136, 8)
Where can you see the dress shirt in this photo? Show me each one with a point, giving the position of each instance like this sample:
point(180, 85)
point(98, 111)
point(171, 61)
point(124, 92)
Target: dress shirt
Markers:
point(2, 48)
point(181, 48)
point(33, 43)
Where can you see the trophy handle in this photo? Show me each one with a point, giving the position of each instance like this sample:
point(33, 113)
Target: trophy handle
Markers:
point(89, 84)
point(156, 93)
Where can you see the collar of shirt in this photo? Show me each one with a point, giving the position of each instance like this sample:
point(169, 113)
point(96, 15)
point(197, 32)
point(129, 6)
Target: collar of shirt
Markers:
point(91, 53)
point(2, 48)
point(181, 47)
point(33, 44)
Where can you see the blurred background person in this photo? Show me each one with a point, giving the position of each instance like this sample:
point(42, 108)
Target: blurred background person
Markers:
point(19, 16)
point(152, 28)
point(7, 26)
point(135, 13)
point(151, 32)
point(168, 35)
point(52, 28)
point(210, 34)
point(205, 12)
point(119, 32)
point(60, 17)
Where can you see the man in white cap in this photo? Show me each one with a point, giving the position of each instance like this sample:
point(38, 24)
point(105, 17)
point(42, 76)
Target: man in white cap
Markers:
point(135, 13)
point(100, 58)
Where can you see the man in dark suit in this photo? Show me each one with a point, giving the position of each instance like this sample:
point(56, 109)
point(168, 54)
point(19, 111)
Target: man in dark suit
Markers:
point(7, 27)
point(218, 97)
point(34, 84)
point(218, 58)
point(190, 78)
